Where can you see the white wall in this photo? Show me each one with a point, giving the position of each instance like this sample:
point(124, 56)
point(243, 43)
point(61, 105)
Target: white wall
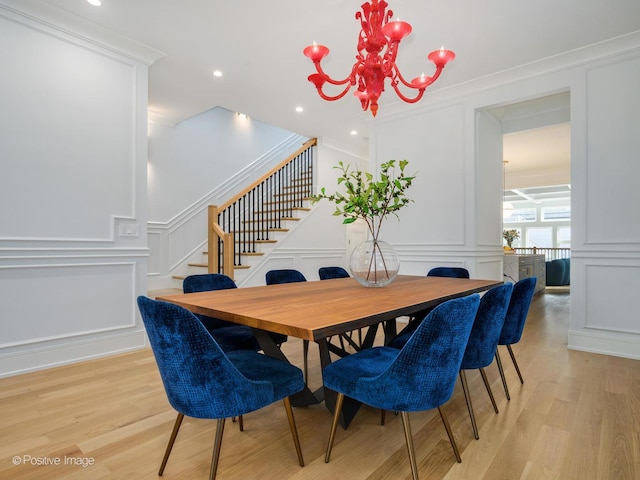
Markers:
point(73, 248)
point(449, 141)
point(198, 155)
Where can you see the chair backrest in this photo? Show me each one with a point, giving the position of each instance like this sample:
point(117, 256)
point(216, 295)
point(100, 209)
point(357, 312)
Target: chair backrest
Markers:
point(424, 373)
point(326, 273)
point(284, 276)
point(518, 310)
point(198, 377)
point(207, 282)
point(487, 327)
point(453, 272)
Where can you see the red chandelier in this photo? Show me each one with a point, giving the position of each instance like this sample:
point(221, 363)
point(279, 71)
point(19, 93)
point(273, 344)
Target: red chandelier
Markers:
point(373, 65)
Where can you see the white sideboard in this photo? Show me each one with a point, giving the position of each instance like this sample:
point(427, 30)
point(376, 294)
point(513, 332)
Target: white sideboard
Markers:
point(517, 267)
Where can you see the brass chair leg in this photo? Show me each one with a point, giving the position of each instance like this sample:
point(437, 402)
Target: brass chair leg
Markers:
point(447, 427)
point(334, 425)
point(504, 379)
point(294, 430)
point(305, 361)
point(467, 398)
point(407, 436)
point(172, 439)
point(216, 449)
point(488, 387)
point(515, 363)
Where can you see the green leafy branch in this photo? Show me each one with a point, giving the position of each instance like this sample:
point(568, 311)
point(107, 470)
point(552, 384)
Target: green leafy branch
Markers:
point(369, 199)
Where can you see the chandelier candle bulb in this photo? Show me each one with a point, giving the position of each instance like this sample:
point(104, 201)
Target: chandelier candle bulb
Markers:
point(316, 52)
point(441, 57)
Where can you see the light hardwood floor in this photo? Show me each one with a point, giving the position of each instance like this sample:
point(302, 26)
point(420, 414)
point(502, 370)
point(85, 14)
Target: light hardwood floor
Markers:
point(576, 417)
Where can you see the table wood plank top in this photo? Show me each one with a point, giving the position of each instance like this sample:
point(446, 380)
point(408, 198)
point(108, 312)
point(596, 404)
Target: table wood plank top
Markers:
point(318, 309)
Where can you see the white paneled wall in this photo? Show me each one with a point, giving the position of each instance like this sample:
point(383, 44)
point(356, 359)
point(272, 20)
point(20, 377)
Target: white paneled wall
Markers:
point(73, 250)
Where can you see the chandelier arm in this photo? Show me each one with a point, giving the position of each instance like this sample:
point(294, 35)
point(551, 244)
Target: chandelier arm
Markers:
point(407, 99)
point(337, 97)
point(330, 80)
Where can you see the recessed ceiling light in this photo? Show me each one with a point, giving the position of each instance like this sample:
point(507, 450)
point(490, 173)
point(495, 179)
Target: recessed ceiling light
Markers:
point(354, 132)
point(95, 3)
point(299, 109)
point(217, 73)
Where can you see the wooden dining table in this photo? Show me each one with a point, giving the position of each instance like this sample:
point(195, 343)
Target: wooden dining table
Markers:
point(320, 310)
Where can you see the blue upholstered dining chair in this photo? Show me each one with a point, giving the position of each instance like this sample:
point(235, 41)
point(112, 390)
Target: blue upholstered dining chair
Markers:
point(327, 273)
point(273, 277)
point(514, 324)
point(202, 381)
point(420, 376)
point(483, 342)
point(230, 336)
point(452, 272)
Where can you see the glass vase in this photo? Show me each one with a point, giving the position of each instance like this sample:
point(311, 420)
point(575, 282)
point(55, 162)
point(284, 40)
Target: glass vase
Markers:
point(374, 263)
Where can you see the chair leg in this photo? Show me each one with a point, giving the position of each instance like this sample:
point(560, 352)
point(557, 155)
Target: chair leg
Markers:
point(515, 363)
point(504, 379)
point(334, 425)
point(383, 415)
point(216, 449)
point(305, 361)
point(447, 427)
point(241, 423)
point(172, 439)
point(294, 430)
point(488, 387)
point(467, 397)
point(409, 439)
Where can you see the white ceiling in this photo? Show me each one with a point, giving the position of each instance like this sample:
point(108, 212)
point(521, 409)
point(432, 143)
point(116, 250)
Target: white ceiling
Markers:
point(258, 45)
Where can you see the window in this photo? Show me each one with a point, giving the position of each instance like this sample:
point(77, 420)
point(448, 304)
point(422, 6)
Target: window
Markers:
point(521, 215)
point(540, 237)
point(564, 237)
point(550, 214)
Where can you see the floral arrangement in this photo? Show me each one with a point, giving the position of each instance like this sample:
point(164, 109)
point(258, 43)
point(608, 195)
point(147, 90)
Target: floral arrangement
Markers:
point(510, 236)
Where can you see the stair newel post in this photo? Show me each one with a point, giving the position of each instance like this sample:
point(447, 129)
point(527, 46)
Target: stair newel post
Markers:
point(212, 249)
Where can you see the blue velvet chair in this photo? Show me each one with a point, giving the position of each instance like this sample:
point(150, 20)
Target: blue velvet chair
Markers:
point(483, 342)
point(274, 277)
point(514, 323)
point(230, 336)
point(327, 273)
point(202, 381)
point(453, 272)
point(420, 376)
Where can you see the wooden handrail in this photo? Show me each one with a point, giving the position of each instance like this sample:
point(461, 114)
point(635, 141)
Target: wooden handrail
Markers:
point(310, 143)
point(216, 232)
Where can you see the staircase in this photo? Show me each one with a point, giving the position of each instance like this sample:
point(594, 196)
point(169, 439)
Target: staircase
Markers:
point(245, 228)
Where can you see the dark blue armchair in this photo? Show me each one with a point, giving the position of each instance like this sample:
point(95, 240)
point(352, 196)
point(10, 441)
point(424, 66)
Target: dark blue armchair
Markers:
point(483, 342)
point(327, 273)
point(230, 336)
point(420, 376)
point(452, 272)
point(273, 277)
point(202, 381)
point(514, 323)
